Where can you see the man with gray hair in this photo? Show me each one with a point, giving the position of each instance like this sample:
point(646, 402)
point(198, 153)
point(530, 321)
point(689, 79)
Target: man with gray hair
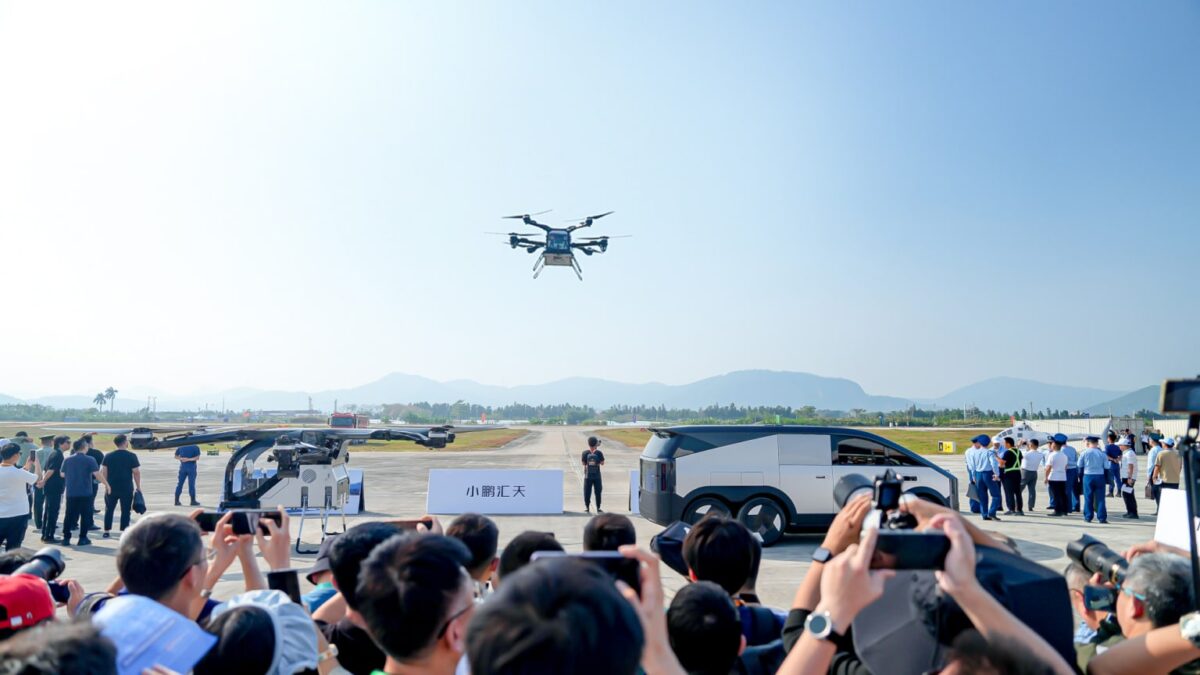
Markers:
point(1154, 594)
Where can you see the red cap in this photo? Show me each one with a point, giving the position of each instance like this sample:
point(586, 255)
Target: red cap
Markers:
point(25, 600)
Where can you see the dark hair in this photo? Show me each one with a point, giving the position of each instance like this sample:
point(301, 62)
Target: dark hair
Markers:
point(593, 441)
point(562, 615)
point(351, 549)
point(998, 654)
point(245, 642)
point(718, 549)
point(11, 560)
point(516, 555)
point(59, 648)
point(481, 537)
point(1034, 442)
point(407, 590)
point(1008, 440)
point(78, 445)
point(60, 440)
point(156, 552)
point(120, 439)
point(704, 628)
point(755, 562)
point(10, 450)
point(608, 532)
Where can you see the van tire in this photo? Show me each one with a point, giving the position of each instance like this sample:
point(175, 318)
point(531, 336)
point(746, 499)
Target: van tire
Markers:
point(702, 507)
point(766, 517)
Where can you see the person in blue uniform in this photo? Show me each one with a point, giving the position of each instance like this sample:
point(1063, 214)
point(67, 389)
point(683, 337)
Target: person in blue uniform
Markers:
point(1093, 463)
point(982, 463)
point(187, 456)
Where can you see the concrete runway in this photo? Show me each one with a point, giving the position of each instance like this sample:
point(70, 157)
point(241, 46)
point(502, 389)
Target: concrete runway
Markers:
point(395, 487)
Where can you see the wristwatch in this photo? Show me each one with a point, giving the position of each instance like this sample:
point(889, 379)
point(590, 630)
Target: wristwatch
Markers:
point(1189, 628)
point(819, 625)
point(822, 555)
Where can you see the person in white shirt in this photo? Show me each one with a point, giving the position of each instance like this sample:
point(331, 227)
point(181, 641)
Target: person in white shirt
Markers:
point(1128, 478)
point(1056, 479)
point(14, 497)
point(1032, 458)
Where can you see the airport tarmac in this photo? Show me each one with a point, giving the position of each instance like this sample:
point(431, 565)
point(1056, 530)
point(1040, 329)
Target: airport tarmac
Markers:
point(395, 487)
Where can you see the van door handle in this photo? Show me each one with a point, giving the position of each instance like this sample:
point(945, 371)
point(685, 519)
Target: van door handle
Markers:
point(909, 477)
point(820, 476)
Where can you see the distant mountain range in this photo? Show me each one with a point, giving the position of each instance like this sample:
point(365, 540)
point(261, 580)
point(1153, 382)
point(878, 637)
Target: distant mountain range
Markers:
point(743, 387)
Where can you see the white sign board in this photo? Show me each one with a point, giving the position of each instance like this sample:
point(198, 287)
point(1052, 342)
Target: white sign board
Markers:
point(495, 491)
point(635, 481)
point(1172, 525)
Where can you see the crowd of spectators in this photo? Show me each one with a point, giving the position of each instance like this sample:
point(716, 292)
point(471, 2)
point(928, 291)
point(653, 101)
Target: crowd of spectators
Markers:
point(443, 601)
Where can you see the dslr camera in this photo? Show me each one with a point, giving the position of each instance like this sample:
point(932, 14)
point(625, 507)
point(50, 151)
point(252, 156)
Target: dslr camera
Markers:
point(899, 545)
point(1095, 557)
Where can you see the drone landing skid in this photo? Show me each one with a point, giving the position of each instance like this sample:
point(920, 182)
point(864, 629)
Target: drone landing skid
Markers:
point(324, 514)
point(556, 260)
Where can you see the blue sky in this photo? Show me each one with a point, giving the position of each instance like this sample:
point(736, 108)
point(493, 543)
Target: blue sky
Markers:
point(294, 195)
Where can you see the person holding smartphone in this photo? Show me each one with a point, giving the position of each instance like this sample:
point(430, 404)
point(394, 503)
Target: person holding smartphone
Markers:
point(592, 460)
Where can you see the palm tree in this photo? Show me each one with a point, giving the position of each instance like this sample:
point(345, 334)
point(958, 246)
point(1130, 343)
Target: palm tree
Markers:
point(100, 400)
point(110, 394)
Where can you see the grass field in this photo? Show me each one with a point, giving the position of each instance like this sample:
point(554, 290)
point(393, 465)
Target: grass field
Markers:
point(922, 441)
point(482, 440)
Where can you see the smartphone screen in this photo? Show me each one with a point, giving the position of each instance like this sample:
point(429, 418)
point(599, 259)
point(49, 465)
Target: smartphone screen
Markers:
point(287, 581)
point(59, 591)
point(243, 521)
point(617, 565)
point(208, 520)
point(909, 550)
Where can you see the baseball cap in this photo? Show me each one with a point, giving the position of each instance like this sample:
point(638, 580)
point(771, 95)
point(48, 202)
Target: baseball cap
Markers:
point(1168, 440)
point(321, 564)
point(1059, 438)
point(1124, 442)
point(982, 439)
point(25, 600)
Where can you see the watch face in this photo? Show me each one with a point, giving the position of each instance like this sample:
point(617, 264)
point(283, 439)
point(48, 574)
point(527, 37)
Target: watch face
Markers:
point(817, 623)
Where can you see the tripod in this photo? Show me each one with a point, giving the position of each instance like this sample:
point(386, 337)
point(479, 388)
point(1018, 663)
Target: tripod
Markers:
point(1191, 471)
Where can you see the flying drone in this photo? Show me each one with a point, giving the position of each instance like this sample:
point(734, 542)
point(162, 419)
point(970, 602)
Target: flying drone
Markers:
point(558, 250)
point(309, 473)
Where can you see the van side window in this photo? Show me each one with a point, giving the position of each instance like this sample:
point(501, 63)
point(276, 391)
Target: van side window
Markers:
point(858, 452)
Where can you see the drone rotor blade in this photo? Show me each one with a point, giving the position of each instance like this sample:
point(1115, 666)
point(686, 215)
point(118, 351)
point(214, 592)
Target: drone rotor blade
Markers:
point(517, 234)
point(528, 215)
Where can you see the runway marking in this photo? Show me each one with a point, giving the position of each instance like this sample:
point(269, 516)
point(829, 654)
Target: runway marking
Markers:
point(574, 465)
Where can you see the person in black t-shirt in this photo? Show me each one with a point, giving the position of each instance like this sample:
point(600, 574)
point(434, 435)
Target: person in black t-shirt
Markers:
point(98, 455)
point(52, 484)
point(121, 469)
point(592, 460)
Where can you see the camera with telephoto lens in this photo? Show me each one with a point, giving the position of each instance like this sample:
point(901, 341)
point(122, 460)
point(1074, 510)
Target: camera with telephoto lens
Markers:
point(1097, 558)
point(886, 490)
point(46, 564)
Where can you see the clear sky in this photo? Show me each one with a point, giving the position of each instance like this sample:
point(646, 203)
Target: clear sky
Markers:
point(202, 196)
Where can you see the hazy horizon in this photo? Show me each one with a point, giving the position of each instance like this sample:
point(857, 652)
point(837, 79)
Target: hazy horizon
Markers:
point(293, 196)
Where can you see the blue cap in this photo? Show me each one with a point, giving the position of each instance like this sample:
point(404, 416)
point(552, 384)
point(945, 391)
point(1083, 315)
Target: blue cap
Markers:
point(1059, 438)
point(1093, 439)
point(982, 439)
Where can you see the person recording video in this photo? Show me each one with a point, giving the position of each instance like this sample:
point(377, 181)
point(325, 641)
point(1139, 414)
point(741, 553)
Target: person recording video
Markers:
point(592, 460)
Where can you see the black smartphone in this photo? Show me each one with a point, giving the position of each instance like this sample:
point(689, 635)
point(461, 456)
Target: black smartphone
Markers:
point(412, 524)
point(244, 521)
point(910, 550)
point(287, 581)
point(59, 592)
point(1099, 598)
point(618, 566)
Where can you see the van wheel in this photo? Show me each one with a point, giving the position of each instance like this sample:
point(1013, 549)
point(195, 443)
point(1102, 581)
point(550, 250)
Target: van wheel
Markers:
point(702, 507)
point(763, 515)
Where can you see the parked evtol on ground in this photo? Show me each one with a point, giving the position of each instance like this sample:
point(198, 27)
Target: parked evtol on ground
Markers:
point(773, 478)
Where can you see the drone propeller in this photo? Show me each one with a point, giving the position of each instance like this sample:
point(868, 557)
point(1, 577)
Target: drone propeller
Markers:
point(587, 218)
point(529, 215)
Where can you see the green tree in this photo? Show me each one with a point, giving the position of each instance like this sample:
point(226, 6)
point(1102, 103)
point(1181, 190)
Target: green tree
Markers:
point(100, 400)
point(110, 395)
